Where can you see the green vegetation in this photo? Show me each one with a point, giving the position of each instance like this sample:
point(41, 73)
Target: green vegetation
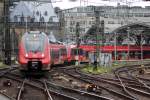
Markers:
point(103, 69)
point(2, 65)
point(98, 70)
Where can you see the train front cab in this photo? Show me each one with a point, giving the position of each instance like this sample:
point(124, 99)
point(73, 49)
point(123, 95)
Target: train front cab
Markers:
point(39, 62)
point(34, 55)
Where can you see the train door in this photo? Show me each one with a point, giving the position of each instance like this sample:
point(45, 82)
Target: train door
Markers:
point(54, 56)
point(62, 55)
point(59, 58)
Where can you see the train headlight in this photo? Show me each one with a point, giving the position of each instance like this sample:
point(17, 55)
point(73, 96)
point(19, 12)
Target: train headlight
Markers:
point(26, 55)
point(42, 55)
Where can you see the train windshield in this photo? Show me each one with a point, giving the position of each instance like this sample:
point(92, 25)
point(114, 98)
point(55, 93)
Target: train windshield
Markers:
point(34, 43)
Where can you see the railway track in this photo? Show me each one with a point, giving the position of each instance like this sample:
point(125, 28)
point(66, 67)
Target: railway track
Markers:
point(46, 89)
point(79, 94)
point(91, 80)
point(138, 88)
point(43, 93)
point(126, 86)
point(124, 83)
point(75, 93)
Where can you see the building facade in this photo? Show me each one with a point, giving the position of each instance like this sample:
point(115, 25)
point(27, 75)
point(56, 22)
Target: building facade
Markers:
point(113, 17)
point(28, 16)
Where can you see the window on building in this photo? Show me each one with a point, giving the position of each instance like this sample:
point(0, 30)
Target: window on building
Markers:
point(65, 23)
point(90, 22)
point(93, 22)
point(28, 19)
point(15, 18)
point(50, 19)
point(89, 14)
point(71, 29)
point(42, 19)
point(37, 13)
point(72, 22)
point(45, 13)
point(147, 15)
point(33, 19)
point(111, 22)
point(22, 18)
point(138, 14)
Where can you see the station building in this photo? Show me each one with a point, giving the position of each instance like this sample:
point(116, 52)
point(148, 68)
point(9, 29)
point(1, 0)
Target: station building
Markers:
point(126, 29)
point(113, 17)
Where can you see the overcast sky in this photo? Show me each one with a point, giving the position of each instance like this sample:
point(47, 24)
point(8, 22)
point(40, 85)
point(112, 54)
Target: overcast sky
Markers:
point(64, 4)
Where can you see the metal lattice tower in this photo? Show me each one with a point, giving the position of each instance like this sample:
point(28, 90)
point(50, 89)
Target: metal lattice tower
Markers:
point(7, 39)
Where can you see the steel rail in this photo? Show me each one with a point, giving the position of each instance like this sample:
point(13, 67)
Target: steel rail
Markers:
point(74, 90)
point(40, 88)
point(79, 91)
point(131, 88)
point(90, 82)
point(127, 87)
point(113, 83)
point(46, 89)
point(138, 80)
point(109, 79)
point(21, 89)
point(7, 70)
point(124, 87)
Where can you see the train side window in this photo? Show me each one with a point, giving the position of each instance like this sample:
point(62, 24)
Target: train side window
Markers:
point(76, 52)
point(63, 51)
point(80, 52)
point(72, 51)
point(52, 53)
point(56, 54)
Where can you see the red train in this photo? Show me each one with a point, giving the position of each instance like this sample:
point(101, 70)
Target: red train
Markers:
point(37, 53)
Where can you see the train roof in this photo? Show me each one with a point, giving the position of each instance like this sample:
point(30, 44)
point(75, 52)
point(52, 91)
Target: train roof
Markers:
point(34, 33)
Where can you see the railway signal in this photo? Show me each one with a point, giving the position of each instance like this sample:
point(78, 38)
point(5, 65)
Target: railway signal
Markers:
point(7, 44)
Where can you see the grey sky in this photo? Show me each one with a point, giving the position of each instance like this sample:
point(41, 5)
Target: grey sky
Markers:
point(64, 4)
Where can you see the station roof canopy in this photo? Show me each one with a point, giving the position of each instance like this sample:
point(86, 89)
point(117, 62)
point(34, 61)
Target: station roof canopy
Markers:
point(132, 27)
